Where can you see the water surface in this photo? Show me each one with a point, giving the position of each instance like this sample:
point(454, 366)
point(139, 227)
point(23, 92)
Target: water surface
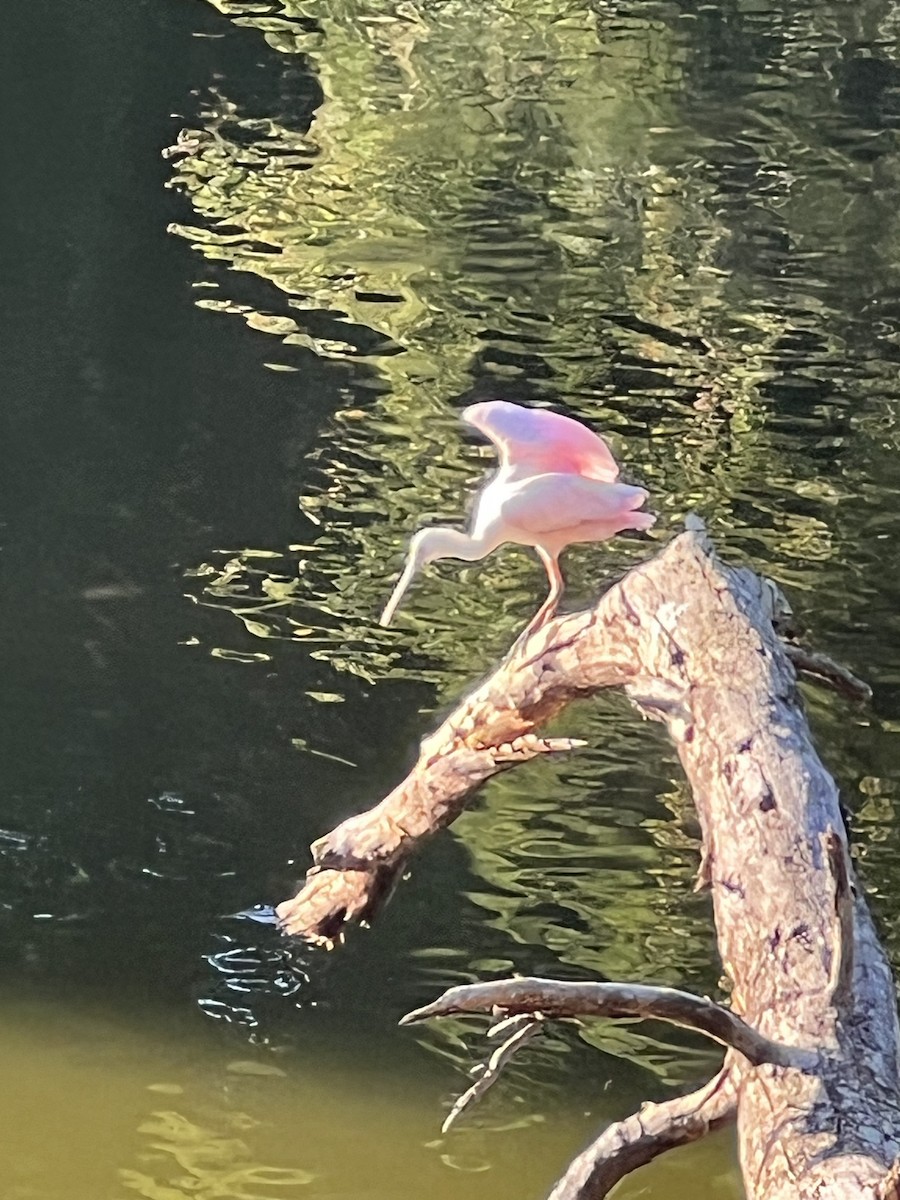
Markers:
point(230, 392)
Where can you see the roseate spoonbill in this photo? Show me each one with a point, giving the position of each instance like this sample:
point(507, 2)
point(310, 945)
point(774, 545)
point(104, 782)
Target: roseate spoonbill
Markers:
point(535, 441)
point(556, 485)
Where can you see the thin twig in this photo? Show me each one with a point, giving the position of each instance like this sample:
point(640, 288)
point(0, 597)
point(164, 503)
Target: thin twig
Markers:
point(554, 998)
point(823, 669)
point(632, 1143)
point(523, 1030)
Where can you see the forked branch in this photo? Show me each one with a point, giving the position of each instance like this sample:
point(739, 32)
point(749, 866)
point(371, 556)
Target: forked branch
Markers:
point(553, 998)
point(493, 729)
point(626, 1145)
point(696, 645)
point(519, 1031)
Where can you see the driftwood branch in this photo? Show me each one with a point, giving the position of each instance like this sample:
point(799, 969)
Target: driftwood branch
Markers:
point(626, 1145)
point(822, 669)
point(636, 1141)
point(519, 1030)
point(552, 998)
point(356, 866)
point(695, 644)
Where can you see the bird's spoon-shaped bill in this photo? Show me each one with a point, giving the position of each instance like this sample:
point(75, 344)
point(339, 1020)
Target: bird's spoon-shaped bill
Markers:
point(425, 547)
point(402, 584)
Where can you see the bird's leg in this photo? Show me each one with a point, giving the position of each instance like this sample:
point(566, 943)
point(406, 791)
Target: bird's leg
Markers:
point(550, 605)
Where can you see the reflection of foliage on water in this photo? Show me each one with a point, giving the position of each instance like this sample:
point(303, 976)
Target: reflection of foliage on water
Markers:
point(592, 881)
point(493, 171)
point(483, 203)
point(207, 1164)
point(675, 225)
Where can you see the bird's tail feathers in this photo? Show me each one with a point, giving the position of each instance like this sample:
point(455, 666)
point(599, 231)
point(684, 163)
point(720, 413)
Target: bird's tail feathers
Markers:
point(642, 520)
point(636, 495)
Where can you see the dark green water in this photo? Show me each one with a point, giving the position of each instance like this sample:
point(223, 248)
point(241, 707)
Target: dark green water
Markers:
point(380, 212)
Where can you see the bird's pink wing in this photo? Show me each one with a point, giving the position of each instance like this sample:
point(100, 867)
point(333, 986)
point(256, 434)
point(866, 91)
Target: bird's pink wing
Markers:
point(538, 441)
point(553, 504)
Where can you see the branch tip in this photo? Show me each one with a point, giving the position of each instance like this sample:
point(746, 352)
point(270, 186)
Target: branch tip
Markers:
point(824, 670)
point(521, 1030)
point(626, 1145)
point(553, 998)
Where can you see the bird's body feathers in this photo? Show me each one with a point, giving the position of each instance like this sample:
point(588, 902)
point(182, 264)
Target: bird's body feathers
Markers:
point(556, 485)
point(535, 441)
point(556, 509)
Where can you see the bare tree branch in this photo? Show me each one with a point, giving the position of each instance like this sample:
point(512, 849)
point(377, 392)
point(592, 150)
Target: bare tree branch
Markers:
point(822, 669)
point(553, 998)
point(695, 644)
point(636, 1141)
point(492, 730)
point(356, 865)
point(520, 1030)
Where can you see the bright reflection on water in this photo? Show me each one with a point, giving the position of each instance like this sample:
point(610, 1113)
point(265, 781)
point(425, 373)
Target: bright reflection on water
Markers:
point(677, 221)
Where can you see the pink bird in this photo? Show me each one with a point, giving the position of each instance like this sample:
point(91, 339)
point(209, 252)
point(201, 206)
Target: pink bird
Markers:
point(556, 486)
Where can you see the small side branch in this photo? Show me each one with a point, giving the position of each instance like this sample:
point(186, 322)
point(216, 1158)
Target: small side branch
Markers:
point(553, 998)
point(636, 1141)
point(356, 864)
point(519, 1030)
point(822, 669)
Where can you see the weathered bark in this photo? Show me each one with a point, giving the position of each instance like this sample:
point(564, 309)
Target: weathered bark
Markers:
point(551, 998)
point(692, 643)
point(626, 1145)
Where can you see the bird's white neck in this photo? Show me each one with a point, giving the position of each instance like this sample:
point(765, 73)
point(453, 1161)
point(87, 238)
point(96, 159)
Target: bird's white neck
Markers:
point(442, 542)
point(429, 544)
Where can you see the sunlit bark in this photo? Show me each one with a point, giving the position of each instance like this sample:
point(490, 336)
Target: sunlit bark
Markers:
point(693, 643)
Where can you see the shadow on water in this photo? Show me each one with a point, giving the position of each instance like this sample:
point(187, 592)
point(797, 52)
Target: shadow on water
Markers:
point(677, 221)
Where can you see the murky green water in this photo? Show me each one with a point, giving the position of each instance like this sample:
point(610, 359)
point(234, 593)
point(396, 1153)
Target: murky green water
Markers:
point(678, 221)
